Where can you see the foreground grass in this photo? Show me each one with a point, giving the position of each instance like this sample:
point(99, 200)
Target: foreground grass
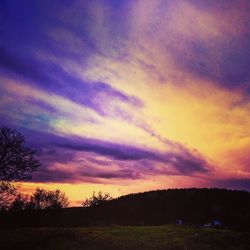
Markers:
point(123, 238)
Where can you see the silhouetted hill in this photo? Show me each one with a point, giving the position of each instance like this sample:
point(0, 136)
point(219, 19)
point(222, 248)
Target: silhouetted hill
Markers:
point(192, 206)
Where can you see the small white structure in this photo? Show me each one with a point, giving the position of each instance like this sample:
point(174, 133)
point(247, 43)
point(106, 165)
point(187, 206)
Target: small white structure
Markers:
point(213, 223)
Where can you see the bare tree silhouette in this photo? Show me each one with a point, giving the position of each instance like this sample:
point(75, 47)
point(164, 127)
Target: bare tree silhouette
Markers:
point(16, 161)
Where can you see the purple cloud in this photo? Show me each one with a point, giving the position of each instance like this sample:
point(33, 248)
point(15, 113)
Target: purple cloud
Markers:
point(54, 79)
point(223, 57)
point(24, 40)
point(232, 60)
point(233, 183)
point(81, 158)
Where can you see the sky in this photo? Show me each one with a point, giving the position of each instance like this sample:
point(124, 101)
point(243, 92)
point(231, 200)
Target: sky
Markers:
point(131, 95)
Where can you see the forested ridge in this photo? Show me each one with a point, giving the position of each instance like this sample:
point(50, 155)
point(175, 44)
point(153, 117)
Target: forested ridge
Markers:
point(193, 206)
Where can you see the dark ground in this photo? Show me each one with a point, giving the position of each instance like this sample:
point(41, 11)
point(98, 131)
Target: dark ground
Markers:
point(170, 237)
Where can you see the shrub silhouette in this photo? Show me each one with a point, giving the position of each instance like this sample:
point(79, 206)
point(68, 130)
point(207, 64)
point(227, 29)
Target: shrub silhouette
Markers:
point(98, 199)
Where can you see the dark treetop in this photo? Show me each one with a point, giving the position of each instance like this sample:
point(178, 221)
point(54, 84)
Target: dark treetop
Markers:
point(16, 161)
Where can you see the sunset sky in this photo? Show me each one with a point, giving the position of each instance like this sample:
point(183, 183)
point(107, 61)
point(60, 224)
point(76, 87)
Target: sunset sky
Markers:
point(129, 95)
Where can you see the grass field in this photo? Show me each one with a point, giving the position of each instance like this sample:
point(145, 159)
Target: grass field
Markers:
point(160, 237)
